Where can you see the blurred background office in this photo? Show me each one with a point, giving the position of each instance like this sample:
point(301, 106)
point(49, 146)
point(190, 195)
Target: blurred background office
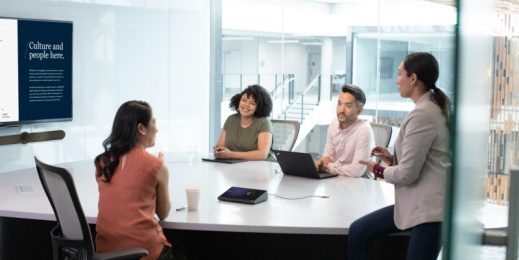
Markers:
point(187, 57)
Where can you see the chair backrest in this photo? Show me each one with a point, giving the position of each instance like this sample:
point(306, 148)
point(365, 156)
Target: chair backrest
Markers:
point(284, 134)
point(61, 192)
point(382, 134)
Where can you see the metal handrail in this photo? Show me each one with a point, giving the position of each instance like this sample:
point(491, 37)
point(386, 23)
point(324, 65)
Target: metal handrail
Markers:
point(275, 92)
point(312, 83)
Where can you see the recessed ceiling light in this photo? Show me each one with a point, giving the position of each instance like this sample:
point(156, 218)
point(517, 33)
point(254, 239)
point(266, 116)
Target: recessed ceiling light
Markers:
point(283, 41)
point(237, 38)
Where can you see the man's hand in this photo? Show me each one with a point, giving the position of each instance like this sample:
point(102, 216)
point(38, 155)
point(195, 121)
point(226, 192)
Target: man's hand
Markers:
point(322, 163)
point(370, 164)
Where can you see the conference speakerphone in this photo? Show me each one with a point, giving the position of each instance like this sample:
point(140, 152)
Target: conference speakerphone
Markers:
point(244, 195)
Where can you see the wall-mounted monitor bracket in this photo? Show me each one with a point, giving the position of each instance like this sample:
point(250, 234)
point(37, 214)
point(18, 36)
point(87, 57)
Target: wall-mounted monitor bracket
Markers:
point(25, 137)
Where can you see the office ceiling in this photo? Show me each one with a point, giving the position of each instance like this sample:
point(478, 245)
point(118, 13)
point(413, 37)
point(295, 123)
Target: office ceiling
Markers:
point(501, 6)
point(444, 2)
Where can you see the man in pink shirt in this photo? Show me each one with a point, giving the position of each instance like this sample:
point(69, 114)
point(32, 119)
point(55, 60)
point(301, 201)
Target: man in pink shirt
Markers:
point(349, 138)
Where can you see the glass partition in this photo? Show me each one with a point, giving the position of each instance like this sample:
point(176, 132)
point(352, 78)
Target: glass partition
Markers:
point(485, 145)
point(153, 51)
point(363, 42)
point(376, 56)
point(359, 42)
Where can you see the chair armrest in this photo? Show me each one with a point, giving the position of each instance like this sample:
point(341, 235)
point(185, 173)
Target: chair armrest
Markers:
point(131, 253)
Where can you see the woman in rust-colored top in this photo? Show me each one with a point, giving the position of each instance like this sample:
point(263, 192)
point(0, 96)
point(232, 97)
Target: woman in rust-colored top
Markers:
point(133, 185)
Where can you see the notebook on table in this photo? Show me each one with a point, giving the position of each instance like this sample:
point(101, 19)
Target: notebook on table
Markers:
point(228, 161)
point(299, 164)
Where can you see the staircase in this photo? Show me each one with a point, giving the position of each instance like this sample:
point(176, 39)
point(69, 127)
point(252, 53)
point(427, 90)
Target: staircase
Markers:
point(300, 111)
point(300, 107)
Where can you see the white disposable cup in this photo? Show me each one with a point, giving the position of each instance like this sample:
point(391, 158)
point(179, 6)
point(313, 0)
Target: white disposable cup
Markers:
point(193, 197)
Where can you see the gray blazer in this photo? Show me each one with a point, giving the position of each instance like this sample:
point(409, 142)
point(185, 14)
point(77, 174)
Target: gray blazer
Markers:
point(420, 163)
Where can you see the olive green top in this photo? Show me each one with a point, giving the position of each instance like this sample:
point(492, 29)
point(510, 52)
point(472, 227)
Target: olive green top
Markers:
point(242, 139)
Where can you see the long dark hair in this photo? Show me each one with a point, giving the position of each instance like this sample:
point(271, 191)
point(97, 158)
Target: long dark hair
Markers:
point(260, 95)
point(123, 136)
point(426, 68)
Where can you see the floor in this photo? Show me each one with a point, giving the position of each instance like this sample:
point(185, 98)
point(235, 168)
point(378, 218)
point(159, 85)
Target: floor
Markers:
point(493, 253)
point(494, 215)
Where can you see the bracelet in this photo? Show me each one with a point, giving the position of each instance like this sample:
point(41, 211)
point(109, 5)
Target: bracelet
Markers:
point(378, 171)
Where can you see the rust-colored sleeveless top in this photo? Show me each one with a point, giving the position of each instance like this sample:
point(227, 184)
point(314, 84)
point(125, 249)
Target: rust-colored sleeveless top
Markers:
point(126, 215)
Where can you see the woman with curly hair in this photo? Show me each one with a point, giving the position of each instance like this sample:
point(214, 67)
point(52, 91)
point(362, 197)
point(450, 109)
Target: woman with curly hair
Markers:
point(247, 134)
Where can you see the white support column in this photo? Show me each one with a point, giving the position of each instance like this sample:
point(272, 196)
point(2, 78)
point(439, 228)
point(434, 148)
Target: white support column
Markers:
point(326, 67)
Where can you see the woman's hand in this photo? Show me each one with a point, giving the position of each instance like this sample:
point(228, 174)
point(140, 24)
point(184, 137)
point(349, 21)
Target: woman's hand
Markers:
point(383, 154)
point(222, 152)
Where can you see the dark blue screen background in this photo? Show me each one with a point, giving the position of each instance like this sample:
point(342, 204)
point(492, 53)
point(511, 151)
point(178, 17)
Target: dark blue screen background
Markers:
point(49, 32)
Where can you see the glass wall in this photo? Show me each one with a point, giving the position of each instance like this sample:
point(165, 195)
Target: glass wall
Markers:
point(154, 51)
point(285, 66)
point(363, 42)
point(287, 53)
point(486, 138)
point(377, 55)
point(306, 50)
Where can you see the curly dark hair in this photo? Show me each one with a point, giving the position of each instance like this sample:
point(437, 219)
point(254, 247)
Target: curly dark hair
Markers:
point(260, 95)
point(123, 137)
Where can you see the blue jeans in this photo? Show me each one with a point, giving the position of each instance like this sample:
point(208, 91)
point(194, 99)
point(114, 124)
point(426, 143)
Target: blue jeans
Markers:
point(424, 239)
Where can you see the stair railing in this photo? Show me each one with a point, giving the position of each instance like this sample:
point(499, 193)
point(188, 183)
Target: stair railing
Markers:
point(316, 82)
point(287, 81)
point(281, 94)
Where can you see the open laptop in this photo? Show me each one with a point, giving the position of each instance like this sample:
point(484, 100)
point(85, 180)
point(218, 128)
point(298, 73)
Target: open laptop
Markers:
point(299, 164)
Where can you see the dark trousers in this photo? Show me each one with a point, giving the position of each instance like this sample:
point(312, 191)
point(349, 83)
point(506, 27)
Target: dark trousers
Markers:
point(424, 239)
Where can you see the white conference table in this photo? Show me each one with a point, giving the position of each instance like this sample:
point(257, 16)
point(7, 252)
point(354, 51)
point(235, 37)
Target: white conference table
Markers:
point(349, 198)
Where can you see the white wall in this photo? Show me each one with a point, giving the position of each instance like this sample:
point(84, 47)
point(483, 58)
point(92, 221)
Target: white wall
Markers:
point(365, 65)
point(296, 62)
point(339, 57)
point(291, 16)
point(249, 57)
point(293, 60)
point(309, 17)
point(240, 57)
point(157, 52)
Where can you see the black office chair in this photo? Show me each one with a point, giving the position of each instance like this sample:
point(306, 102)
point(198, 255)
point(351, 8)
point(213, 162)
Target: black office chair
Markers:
point(71, 238)
point(284, 134)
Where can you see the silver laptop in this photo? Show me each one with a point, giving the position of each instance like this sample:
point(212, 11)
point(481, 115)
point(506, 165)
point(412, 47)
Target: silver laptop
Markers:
point(299, 164)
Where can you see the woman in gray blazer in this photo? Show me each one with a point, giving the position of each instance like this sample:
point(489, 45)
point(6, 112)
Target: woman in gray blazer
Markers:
point(418, 167)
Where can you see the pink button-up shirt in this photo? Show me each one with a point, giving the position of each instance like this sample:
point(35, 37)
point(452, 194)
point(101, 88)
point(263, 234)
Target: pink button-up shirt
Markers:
point(346, 147)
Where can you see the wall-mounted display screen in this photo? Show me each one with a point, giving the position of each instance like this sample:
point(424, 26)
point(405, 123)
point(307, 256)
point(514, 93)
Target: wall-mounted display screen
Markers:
point(35, 71)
